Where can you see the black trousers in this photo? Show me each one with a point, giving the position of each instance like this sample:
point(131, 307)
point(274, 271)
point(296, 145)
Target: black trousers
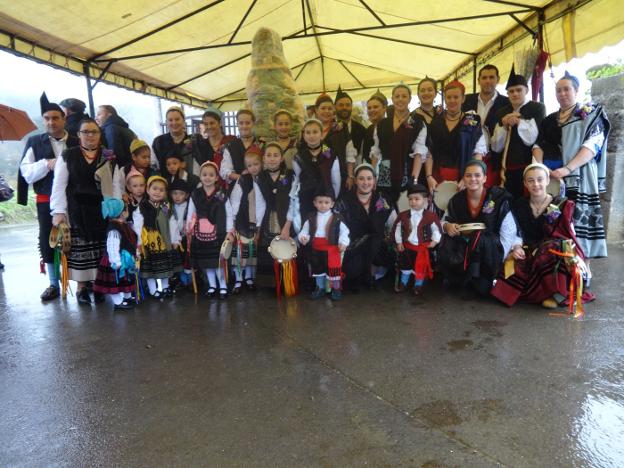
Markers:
point(45, 226)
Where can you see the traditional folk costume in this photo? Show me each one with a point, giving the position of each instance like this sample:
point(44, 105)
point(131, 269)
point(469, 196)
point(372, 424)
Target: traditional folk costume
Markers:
point(165, 144)
point(34, 170)
point(415, 229)
point(116, 271)
point(180, 214)
point(314, 173)
point(191, 179)
point(368, 141)
point(547, 272)
point(156, 230)
point(367, 229)
point(209, 219)
point(248, 209)
point(451, 150)
point(77, 191)
point(395, 150)
point(521, 139)
point(288, 152)
point(325, 232)
point(234, 157)
point(133, 203)
point(475, 259)
point(587, 126)
point(204, 151)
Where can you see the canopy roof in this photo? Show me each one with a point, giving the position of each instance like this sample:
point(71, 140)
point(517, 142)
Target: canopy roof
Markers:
point(198, 51)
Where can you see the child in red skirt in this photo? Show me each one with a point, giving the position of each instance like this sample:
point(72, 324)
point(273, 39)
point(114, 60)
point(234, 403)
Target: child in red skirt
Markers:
point(116, 273)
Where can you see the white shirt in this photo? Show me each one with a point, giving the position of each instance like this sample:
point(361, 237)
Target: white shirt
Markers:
point(415, 218)
point(32, 170)
point(527, 131)
point(113, 242)
point(137, 226)
point(237, 195)
point(179, 210)
point(335, 175)
point(321, 224)
point(483, 109)
point(192, 213)
point(419, 147)
point(58, 198)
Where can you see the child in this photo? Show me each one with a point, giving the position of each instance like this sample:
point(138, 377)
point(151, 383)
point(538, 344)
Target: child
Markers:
point(135, 187)
point(115, 275)
point(330, 238)
point(248, 208)
point(415, 232)
point(175, 166)
point(179, 193)
point(283, 123)
point(158, 239)
point(209, 223)
point(315, 166)
point(140, 164)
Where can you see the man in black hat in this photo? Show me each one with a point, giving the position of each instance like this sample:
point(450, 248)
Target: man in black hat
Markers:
point(518, 122)
point(116, 132)
point(37, 168)
point(74, 113)
point(356, 131)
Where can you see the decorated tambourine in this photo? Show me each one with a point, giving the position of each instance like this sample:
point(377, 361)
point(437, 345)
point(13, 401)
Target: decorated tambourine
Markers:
point(470, 227)
point(443, 194)
point(402, 202)
point(60, 237)
point(555, 187)
point(226, 249)
point(282, 250)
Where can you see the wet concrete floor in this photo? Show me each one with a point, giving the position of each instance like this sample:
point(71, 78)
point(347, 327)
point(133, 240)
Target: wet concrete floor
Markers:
point(377, 379)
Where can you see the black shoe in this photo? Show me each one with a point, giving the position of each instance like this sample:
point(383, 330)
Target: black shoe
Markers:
point(158, 295)
point(249, 284)
point(98, 297)
point(237, 287)
point(83, 297)
point(223, 294)
point(126, 304)
point(51, 292)
point(210, 292)
point(167, 293)
point(1, 266)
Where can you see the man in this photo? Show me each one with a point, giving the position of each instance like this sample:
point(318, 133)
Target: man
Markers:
point(117, 133)
point(37, 168)
point(344, 113)
point(519, 121)
point(74, 112)
point(487, 102)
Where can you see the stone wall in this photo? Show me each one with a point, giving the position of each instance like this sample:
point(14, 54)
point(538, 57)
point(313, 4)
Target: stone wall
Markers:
point(610, 93)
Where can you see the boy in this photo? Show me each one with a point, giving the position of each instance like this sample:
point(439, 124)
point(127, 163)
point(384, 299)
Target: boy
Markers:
point(179, 192)
point(415, 232)
point(330, 238)
point(174, 164)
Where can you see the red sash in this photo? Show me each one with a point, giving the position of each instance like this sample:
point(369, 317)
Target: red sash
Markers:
point(422, 264)
point(334, 261)
point(42, 198)
point(447, 173)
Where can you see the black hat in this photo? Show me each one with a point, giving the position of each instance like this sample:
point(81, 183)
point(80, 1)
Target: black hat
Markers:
point(49, 106)
point(417, 188)
point(515, 80)
point(341, 94)
point(75, 105)
point(323, 191)
point(174, 154)
point(179, 184)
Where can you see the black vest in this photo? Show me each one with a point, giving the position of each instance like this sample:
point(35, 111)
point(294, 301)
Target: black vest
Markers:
point(242, 217)
point(211, 208)
point(276, 194)
point(519, 153)
point(332, 230)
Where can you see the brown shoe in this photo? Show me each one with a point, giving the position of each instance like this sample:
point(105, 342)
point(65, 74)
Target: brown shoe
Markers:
point(51, 292)
point(549, 303)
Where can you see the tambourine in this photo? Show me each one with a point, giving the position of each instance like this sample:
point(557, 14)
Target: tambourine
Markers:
point(226, 249)
point(443, 194)
point(555, 187)
point(282, 250)
point(402, 202)
point(60, 237)
point(471, 227)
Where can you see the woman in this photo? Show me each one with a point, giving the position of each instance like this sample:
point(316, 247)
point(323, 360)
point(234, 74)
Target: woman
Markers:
point(366, 213)
point(175, 140)
point(233, 164)
point(336, 136)
point(399, 138)
point(427, 92)
point(210, 147)
point(572, 143)
point(282, 122)
point(376, 111)
point(542, 273)
point(76, 199)
point(475, 258)
point(456, 137)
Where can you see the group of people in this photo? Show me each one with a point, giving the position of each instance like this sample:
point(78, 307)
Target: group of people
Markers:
point(153, 219)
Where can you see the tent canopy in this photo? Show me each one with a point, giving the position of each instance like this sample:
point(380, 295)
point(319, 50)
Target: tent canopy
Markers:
point(198, 51)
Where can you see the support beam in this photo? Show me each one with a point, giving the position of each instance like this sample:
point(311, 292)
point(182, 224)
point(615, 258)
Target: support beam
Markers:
point(524, 25)
point(301, 71)
point(87, 74)
point(474, 75)
point(318, 43)
point(303, 14)
point(157, 30)
point(372, 12)
point(514, 4)
point(218, 67)
point(102, 73)
point(350, 73)
point(242, 21)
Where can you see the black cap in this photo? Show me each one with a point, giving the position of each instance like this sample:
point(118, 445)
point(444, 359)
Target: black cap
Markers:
point(323, 191)
point(417, 188)
point(174, 154)
point(49, 106)
point(179, 184)
point(515, 80)
point(341, 94)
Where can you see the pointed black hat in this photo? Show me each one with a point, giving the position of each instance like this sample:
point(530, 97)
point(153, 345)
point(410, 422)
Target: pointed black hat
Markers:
point(515, 80)
point(48, 106)
point(341, 94)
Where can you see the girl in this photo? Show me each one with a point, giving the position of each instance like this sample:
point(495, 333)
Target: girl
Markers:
point(233, 164)
point(115, 275)
point(140, 163)
point(283, 122)
point(209, 224)
point(158, 239)
point(135, 186)
point(248, 208)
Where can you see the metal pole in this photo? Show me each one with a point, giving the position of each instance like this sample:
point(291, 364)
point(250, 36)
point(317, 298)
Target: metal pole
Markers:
point(474, 75)
point(87, 73)
point(540, 43)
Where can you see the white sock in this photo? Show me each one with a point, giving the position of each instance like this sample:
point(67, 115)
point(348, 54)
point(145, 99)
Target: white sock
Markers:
point(127, 295)
point(152, 285)
point(117, 298)
point(164, 283)
point(250, 272)
point(222, 283)
point(212, 277)
point(238, 272)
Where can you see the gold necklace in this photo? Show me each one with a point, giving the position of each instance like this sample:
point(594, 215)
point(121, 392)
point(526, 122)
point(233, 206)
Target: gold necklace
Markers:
point(537, 210)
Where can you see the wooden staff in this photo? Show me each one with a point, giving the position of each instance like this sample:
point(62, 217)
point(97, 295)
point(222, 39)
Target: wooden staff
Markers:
point(503, 170)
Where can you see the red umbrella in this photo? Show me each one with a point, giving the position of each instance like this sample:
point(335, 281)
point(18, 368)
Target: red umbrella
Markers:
point(14, 124)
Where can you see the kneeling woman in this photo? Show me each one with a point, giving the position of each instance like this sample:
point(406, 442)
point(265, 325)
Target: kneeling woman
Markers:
point(543, 272)
point(474, 258)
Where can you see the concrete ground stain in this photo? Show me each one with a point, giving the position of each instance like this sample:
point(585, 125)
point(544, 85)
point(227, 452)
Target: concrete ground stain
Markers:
point(459, 345)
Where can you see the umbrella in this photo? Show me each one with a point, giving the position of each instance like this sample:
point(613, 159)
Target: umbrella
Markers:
point(14, 124)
